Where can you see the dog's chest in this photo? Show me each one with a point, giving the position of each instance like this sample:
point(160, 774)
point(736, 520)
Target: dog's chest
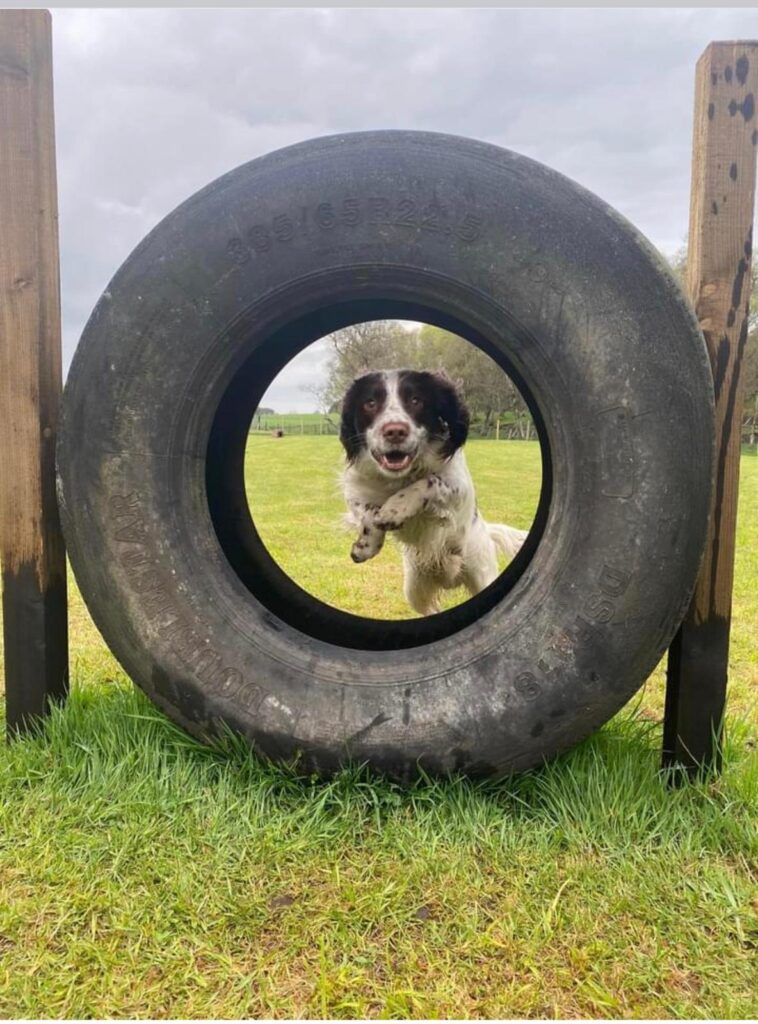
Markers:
point(369, 490)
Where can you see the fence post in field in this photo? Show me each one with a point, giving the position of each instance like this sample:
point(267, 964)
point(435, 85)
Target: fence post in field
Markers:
point(725, 142)
point(31, 545)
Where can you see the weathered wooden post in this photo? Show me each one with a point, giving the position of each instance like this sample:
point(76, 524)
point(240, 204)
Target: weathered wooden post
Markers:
point(31, 546)
point(725, 143)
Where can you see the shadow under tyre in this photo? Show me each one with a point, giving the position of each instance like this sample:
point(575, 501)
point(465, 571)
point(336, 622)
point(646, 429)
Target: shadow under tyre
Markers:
point(555, 286)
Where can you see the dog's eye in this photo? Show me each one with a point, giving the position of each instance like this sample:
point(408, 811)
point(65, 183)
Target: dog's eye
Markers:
point(370, 404)
point(415, 400)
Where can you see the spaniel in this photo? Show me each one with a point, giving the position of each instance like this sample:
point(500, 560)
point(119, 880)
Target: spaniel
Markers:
point(403, 433)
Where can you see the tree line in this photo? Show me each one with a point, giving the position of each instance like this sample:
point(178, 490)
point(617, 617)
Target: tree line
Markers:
point(493, 399)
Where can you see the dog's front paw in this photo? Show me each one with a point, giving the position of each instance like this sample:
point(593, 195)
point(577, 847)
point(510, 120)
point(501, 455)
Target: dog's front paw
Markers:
point(394, 512)
point(368, 544)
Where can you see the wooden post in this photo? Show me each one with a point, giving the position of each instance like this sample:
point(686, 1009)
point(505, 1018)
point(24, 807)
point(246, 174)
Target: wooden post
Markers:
point(725, 143)
point(31, 546)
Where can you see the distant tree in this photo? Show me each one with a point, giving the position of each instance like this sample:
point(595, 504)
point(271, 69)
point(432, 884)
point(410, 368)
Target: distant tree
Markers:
point(678, 262)
point(489, 391)
point(262, 411)
point(750, 374)
point(374, 345)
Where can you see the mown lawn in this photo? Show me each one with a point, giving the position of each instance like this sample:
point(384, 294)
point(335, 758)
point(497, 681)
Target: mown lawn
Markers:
point(142, 875)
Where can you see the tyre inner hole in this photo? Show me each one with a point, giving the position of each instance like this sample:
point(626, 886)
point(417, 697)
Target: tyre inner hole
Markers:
point(294, 457)
point(275, 495)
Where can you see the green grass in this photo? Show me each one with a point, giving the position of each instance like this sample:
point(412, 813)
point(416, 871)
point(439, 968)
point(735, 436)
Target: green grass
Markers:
point(142, 875)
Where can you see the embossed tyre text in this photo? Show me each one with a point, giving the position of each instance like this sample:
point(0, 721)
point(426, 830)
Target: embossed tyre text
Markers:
point(181, 347)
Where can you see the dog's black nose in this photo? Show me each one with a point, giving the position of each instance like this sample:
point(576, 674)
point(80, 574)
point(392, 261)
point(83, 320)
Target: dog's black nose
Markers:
point(395, 433)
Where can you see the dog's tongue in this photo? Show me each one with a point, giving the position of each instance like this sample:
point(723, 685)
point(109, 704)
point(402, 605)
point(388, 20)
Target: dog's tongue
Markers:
point(395, 461)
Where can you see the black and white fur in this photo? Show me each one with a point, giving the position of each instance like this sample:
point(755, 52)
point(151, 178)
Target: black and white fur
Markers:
point(403, 432)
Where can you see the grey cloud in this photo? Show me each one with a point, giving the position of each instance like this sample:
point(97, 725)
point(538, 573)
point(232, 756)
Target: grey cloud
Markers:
point(288, 392)
point(153, 104)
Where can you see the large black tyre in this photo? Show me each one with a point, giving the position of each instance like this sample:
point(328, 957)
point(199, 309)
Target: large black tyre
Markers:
point(179, 350)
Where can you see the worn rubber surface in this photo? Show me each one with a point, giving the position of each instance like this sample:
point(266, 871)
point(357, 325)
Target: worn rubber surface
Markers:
point(225, 290)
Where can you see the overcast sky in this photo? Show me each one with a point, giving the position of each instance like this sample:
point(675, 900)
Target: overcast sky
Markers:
point(153, 104)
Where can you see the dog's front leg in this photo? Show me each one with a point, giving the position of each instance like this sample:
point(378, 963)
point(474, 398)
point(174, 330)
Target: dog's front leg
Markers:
point(370, 538)
point(429, 493)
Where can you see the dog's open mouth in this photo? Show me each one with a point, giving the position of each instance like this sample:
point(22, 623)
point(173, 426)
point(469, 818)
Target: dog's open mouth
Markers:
point(395, 461)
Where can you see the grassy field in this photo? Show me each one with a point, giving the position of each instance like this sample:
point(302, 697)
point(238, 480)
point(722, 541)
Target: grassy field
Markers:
point(142, 875)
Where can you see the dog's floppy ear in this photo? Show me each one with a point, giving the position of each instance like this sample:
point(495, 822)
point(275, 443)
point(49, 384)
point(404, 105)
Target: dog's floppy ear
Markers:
point(453, 411)
point(350, 436)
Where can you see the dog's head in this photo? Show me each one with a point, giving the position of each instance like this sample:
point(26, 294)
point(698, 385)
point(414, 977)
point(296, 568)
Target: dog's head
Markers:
point(400, 419)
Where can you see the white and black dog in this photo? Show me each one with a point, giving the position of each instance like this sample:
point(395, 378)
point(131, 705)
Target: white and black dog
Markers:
point(403, 432)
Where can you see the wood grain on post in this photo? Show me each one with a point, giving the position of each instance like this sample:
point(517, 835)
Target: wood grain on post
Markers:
point(31, 545)
point(725, 143)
